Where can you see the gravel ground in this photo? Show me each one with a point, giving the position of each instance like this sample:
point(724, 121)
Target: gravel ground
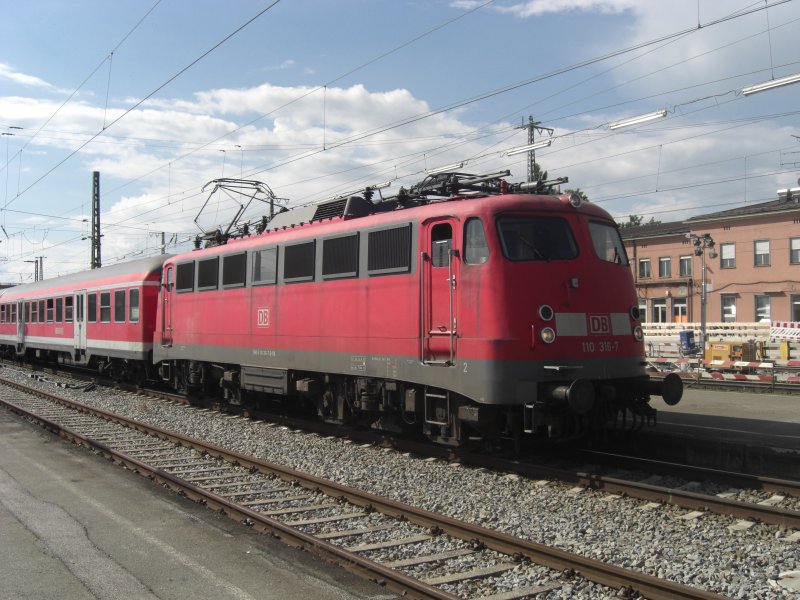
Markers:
point(658, 540)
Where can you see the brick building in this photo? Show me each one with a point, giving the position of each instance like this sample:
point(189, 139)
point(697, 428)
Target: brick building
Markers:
point(752, 269)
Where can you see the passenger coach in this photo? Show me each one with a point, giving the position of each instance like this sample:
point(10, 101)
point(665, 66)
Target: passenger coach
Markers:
point(102, 318)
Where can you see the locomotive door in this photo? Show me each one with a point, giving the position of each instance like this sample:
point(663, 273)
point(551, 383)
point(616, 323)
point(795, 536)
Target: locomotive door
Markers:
point(166, 307)
point(79, 316)
point(439, 273)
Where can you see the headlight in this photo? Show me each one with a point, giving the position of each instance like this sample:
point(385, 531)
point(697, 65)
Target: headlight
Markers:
point(548, 335)
point(638, 333)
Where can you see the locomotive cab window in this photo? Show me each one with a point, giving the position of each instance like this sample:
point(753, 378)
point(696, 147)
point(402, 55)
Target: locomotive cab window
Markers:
point(208, 274)
point(265, 266)
point(536, 238)
point(119, 306)
point(607, 243)
point(476, 249)
point(234, 270)
point(105, 307)
point(184, 279)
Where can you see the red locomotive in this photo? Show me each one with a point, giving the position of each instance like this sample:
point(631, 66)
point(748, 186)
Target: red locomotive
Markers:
point(463, 307)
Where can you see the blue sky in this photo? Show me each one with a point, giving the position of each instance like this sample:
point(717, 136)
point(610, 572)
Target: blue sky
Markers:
point(318, 98)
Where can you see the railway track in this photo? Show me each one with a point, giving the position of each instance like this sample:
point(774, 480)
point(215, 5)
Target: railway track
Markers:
point(413, 551)
point(655, 481)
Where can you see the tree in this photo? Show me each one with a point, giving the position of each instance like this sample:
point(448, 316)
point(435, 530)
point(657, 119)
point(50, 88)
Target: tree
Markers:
point(581, 194)
point(637, 220)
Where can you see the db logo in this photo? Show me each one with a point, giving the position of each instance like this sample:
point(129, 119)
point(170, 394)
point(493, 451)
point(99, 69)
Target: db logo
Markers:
point(263, 317)
point(599, 325)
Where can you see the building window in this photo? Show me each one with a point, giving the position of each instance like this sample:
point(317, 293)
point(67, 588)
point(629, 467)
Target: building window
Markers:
point(686, 266)
point(660, 310)
point(643, 311)
point(761, 252)
point(794, 309)
point(762, 309)
point(794, 251)
point(644, 268)
point(728, 308)
point(665, 266)
point(679, 310)
point(727, 256)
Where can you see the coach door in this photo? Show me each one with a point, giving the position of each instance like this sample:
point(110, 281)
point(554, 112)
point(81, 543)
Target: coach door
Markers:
point(79, 322)
point(166, 307)
point(439, 272)
point(20, 325)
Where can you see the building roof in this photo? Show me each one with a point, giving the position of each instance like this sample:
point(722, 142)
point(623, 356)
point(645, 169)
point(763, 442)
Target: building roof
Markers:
point(773, 206)
point(652, 230)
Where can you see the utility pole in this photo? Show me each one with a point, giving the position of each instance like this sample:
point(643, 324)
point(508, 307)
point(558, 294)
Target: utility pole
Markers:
point(40, 268)
point(532, 127)
point(96, 261)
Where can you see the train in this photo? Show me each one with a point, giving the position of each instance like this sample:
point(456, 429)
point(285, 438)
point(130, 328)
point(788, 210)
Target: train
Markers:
point(463, 308)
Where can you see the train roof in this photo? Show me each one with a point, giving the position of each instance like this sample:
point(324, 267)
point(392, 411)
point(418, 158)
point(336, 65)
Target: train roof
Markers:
point(140, 268)
point(455, 193)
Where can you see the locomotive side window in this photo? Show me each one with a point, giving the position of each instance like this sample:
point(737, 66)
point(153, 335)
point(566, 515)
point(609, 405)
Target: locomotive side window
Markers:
point(340, 257)
point(184, 277)
point(91, 305)
point(119, 306)
point(68, 309)
point(208, 274)
point(607, 244)
point(105, 307)
point(536, 238)
point(298, 262)
point(234, 270)
point(389, 250)
point(59, 310)
point(265, 266)
point(133, 306)
point(476, 250)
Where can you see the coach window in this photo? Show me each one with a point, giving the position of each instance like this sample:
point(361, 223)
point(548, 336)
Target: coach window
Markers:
point(2, 313)
point(298, 262)
point(184, 279)
point(265, 266)
point(208, 274)
point(34, 313)
point(27, 312)
point(50, 315)
point(389, 251)
point(41, 312)
point(234, 270)
point(476, 250)
point(105, 307)
point(91, 308)
point(119, 306)
point(13, 313)
point(133, 306)
point(59, 310)
point(340, 257)
point(68, 309)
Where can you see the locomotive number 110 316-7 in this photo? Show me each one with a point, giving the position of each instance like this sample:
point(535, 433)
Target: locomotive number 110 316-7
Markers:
point(601, 346)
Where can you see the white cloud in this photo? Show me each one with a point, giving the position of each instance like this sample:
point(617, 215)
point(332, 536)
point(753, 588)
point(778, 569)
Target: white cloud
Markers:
point(534, 8)
point(7, 72)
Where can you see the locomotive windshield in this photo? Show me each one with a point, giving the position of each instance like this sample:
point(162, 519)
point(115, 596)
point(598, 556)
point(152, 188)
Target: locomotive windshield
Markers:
point(607, 244)
point(536, 238)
